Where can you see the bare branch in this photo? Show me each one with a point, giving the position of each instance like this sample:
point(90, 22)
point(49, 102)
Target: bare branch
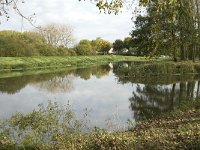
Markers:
point(6, 6)
point(57, 34)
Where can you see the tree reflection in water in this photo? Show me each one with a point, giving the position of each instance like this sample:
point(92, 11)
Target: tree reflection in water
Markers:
point(61, 81)
point(150, 95)
point(156, 94)
point(57, 84)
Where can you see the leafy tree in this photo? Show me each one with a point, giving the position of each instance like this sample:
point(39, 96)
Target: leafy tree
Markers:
point(128, 42)
point(141, 35)
point(169, 29)
point(84, 48)
point(105, 46)
point(118, 45)
point(101, 45)
point(96, 44)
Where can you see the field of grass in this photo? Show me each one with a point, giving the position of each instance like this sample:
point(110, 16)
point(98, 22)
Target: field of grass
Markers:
point(21, 63)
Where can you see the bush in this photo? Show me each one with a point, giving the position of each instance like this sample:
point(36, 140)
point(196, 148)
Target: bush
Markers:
point(17, 44)
point(84, 48)
point(65, 51)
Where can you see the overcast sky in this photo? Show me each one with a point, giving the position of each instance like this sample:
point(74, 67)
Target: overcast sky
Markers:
point(87, 21)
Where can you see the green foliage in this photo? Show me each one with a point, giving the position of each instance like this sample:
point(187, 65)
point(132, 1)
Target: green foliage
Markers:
point(63, 51)
point(168, 28)
point(128, 42)
point(105, 47)
point(96, 44)
point(109, 7)
point(84, 48)
point(13, 43)
point(118, 45)
point(21, 63)
point(47, 127)
point(141, 36)
point(160, 68)
point(161, 73)
point(129, 47)
point(101, 45)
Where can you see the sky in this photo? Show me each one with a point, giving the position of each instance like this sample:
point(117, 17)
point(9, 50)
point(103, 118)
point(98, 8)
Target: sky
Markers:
point(84, 17)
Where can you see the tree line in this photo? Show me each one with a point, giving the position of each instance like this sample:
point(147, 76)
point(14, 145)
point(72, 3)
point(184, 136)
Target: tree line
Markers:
point(55, 40)
point(169, 28)
point(172, 29)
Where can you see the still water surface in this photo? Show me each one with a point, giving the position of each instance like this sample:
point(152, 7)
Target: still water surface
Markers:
point(112, 93)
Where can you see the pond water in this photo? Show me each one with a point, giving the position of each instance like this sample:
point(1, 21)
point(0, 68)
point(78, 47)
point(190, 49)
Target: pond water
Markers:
point(110, 94)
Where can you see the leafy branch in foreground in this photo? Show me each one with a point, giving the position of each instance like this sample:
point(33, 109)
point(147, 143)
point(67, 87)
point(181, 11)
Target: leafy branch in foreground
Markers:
point(47, 127)
point(109, 7)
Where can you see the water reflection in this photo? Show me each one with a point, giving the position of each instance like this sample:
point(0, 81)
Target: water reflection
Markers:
point(57, 84)
point(156, 94)
point(114, 92)
point(151, 100)
point(52, 82)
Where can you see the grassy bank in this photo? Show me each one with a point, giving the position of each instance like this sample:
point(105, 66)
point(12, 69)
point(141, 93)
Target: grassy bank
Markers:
point(169, 68)
point(162, 67)
point(21, 63)
point(152, 67)
point(157, 72)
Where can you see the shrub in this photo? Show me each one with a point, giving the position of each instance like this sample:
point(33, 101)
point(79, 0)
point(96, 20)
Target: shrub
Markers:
point(14, 43)
point(84, 48)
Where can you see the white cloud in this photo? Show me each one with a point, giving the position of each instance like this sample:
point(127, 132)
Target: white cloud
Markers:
point(86, 19)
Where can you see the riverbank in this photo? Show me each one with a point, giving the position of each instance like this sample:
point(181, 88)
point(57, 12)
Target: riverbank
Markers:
point(160, 67)
point(147, 67)
point(180, 129)
point(23, 63)
point(167, 133)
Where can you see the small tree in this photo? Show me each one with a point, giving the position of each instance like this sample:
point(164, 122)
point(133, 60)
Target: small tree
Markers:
point(105, 46)
point(101, 45)
point(118, 45)
point(96, 44)
point(84, 48)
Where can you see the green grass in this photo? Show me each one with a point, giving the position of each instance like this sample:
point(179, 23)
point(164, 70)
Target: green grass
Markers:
point(22, 63)
point(159, 67)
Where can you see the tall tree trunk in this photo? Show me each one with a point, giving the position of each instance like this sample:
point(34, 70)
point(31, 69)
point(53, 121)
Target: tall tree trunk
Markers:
point(174, 46)
point(198, 89)
point(172, 96)
point(197, 4)
point(193, 52)
point(182, 51)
